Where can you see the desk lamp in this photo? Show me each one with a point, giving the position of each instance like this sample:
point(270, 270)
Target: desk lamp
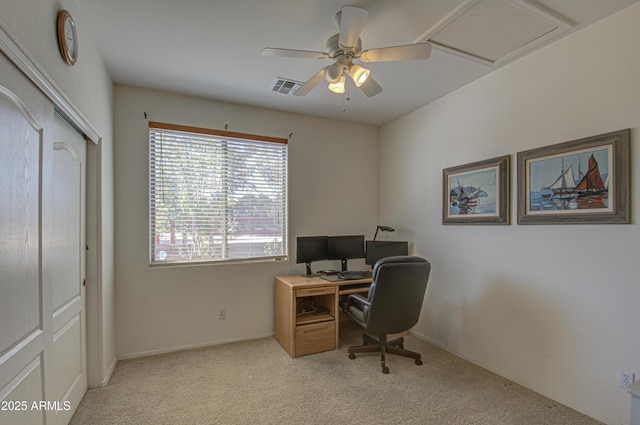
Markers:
point(384, 229)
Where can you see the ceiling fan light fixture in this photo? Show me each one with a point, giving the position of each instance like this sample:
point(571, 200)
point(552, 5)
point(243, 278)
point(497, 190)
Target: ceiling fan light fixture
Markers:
point(337, 87)
point(358, 74)
point(334, 73)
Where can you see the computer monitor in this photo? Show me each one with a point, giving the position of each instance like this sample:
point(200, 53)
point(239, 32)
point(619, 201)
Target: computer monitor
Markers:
point(345, 247)
point(310, 249)
point(377, 250)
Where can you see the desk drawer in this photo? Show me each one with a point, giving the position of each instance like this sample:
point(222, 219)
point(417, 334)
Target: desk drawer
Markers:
point(315, 291)
point(315, 337)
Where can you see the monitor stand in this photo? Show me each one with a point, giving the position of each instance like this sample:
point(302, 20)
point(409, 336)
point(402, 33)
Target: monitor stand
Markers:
point(309, 273)
point(344, 264)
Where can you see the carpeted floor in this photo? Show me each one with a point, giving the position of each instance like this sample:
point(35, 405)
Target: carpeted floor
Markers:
point(256, 382)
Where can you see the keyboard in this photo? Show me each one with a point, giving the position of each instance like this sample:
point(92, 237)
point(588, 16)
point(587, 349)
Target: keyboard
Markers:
point(354, 275)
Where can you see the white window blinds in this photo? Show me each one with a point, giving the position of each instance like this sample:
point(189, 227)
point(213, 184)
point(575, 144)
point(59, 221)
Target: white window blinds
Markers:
point(215, 196)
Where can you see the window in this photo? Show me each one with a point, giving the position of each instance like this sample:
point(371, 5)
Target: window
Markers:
point(215, 196)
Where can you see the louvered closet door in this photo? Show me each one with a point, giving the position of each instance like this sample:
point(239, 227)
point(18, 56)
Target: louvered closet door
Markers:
point(25, 316)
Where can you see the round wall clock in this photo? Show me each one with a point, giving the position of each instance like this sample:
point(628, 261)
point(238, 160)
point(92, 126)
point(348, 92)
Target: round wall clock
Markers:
point(67, 37)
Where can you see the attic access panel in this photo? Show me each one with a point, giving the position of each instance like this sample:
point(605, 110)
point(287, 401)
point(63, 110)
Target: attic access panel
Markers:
point(493, 31)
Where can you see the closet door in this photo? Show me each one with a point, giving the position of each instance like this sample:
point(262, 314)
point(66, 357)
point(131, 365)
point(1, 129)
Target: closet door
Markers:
point(25, 313)
point(64, 238)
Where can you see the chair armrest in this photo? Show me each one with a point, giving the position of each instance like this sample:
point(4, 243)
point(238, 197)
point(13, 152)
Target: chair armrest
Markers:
point(359, 299)
point(358, 308)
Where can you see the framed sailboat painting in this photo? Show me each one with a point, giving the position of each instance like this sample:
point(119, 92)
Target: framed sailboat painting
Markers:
point(577, 182)
point(476, 193)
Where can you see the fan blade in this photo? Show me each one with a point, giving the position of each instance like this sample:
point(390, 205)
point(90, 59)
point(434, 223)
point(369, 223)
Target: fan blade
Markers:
point(370, 87)
point(310, 83)
point(352, 22)
point(397, 53)
point(290, 53)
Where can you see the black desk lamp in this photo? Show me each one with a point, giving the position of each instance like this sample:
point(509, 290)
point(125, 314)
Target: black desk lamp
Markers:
point(384, 229)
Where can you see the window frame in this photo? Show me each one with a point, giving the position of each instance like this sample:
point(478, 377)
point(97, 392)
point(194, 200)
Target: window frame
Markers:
point(226, 137)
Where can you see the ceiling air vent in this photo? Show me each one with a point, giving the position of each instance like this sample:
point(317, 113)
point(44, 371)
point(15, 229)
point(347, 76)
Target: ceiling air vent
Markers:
point(284, 86)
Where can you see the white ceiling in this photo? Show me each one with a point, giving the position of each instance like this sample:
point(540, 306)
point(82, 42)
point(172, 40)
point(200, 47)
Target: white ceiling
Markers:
point(212, 48)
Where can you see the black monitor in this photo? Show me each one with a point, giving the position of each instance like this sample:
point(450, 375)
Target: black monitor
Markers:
point(377, 250)
point(309, 249)
point(345, 247)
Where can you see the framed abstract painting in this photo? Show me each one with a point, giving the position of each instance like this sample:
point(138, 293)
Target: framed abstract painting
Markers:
point(476, 193)
point(577, 182)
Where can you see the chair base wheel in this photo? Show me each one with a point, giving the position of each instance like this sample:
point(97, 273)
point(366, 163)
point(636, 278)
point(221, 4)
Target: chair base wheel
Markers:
point(383, 347)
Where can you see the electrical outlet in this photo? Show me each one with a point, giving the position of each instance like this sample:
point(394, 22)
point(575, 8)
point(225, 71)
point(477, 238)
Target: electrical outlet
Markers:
point(626, 378)
point(222, 314)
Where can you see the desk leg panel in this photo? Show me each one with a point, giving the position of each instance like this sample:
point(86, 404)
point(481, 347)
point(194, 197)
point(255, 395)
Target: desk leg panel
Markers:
point(285, 316)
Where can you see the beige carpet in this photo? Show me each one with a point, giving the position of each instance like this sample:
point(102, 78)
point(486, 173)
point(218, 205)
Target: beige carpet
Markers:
point(256, 382)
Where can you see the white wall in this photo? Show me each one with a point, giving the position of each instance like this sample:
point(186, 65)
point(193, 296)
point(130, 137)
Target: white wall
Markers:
point(552, 307)
point(333, 190)
point(32, 25)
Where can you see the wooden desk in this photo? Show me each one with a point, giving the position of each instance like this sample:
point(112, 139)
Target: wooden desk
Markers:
point(308, 333)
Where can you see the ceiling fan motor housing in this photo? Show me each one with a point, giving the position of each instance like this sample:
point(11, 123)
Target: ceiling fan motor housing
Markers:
point(334, 49)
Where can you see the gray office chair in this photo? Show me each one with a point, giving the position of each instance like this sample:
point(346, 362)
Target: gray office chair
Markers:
point(391, 306)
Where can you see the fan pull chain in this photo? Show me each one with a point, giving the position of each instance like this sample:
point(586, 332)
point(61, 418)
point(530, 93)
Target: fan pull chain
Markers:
point(345, 98)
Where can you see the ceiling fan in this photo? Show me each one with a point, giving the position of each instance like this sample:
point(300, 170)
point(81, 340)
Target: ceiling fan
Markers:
point(345, 47)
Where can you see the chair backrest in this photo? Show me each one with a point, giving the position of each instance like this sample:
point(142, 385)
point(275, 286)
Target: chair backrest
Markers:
point(396, 294)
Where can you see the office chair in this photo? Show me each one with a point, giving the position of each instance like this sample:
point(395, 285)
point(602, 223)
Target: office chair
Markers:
point(391, 306)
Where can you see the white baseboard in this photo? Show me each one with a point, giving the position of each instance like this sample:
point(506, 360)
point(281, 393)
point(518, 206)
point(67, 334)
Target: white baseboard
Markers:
point(107, 377)
point(127, 356)
point(557, 397)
